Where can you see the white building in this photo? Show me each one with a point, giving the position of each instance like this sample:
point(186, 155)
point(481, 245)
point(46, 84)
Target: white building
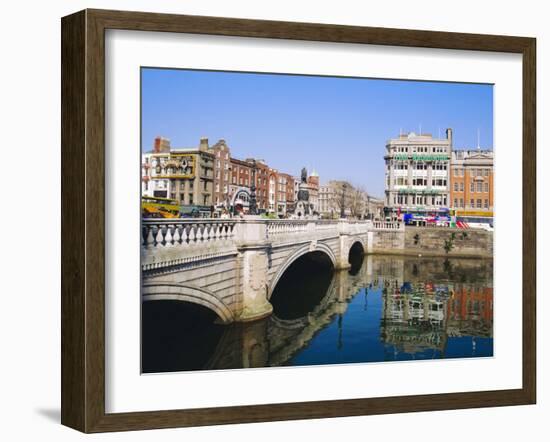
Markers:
point(417, 176)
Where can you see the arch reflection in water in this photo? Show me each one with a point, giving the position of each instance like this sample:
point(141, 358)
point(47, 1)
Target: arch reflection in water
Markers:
point(384, 308)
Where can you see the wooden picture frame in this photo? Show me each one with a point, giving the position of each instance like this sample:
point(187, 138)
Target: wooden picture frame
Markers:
point(83, 220)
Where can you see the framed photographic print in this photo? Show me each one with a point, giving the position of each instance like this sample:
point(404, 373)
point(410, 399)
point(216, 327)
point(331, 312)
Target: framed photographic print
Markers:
point(270, 220)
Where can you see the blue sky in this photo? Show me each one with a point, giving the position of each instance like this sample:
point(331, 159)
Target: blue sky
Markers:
point(339, 126)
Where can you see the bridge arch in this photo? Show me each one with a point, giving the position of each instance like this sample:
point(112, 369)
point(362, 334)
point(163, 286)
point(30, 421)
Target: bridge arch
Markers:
point(304, 250)
point(357, 246)
point(169, 291)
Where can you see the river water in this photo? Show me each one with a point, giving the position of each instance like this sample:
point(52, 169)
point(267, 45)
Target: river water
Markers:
point(385, 308)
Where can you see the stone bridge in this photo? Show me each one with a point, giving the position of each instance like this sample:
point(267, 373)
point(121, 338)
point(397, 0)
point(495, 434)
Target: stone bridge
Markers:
point(232, 266)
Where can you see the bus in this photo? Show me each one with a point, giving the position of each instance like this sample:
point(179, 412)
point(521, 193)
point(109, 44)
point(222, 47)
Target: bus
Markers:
point(156, 207)
point(475, 219)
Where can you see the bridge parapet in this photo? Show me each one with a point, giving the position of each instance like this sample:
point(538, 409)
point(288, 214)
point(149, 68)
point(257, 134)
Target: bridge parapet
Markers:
point(396, 226)
point(169, 232)
point(197, 232)
point(171, 242)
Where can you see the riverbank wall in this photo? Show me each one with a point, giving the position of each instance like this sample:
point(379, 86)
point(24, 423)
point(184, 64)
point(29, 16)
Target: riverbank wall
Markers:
point(434, 241)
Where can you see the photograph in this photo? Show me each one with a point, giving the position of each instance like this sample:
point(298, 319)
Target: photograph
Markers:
point(303, 220)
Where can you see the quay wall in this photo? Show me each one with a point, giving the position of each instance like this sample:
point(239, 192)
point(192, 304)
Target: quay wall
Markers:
point(431, 241)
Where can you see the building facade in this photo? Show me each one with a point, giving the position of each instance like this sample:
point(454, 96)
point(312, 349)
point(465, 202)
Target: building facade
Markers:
point(327, 207)
point(417, 174)
point(313, 188)
point(472, 191)
point(207, 177)
point(186, 175)
point(222, 172)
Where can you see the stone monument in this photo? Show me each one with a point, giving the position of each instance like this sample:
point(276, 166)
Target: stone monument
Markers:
point(303, 207)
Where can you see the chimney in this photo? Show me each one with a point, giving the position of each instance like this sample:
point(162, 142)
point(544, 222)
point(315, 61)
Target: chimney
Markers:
point(449, 133)
point(161, 145)
point(203, 144)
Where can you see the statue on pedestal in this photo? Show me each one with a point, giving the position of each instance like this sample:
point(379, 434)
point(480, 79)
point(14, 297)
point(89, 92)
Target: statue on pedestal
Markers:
point(303, 208)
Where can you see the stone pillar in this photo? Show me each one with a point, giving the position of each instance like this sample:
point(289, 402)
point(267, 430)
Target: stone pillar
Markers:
point(342, 258)
point(370, 241)
point(253, 247)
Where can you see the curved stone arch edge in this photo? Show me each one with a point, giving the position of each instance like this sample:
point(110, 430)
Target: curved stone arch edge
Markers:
point(304, 250)
point(358, 239)
point(186, 293)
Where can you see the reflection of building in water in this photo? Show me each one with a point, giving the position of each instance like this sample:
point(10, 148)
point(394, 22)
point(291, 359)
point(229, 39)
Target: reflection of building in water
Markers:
point(421, 316)
point(470, 311)
point(413, 316)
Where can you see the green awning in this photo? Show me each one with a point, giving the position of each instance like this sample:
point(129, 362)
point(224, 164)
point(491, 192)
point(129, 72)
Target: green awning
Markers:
point(417, 157)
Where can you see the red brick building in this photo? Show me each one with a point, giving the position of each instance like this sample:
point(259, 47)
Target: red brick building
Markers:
point(225, 182)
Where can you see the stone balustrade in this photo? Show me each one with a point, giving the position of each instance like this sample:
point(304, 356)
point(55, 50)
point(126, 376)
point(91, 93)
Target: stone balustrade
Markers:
point(284, 227)
point(170, 232)
point(388, 225)
point(189, 232)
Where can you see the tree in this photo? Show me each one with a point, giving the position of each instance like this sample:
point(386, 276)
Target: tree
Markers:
point(347, 199)
point(358, 202)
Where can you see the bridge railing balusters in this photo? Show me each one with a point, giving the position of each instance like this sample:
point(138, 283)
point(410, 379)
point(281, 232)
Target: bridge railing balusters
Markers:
point(190, 232)
point(185, 232)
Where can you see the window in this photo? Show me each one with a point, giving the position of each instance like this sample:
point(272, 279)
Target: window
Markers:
point(480, 187)
point(190, 198)
point(486, 204)
point(456, 187)
point(455, 203)
point(478, 204)
point(421, 166)
point(472, 189)
point(401, 165)
point(486, 187)
point(462, 186)
point(472, 203)
point(461, 202)
point(401, 181)
point(455, 172)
